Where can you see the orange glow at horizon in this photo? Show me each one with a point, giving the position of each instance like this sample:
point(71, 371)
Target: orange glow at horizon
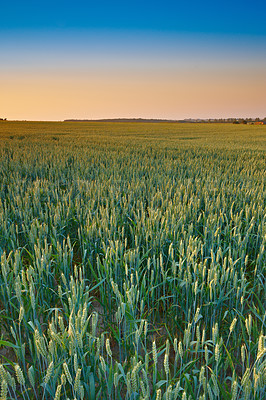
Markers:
point(161, 94)
point(91, 75)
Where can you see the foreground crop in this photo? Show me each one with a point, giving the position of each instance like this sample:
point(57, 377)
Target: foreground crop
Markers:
point(132, 261)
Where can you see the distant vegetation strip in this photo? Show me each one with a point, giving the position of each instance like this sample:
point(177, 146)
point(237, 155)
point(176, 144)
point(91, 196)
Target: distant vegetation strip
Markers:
point(189, 120)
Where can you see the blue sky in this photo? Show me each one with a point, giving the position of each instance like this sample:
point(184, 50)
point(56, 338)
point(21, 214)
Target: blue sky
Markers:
point(171, 59)
point(226, 17)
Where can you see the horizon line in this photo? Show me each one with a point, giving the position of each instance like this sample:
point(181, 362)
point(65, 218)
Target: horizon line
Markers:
point(137, 119)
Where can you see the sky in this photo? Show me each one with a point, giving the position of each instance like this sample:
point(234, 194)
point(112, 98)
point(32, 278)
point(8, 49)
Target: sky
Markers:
point(132, 59)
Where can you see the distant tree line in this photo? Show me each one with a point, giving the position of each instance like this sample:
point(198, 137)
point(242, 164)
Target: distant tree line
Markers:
point(229, 120)
point(248, 121)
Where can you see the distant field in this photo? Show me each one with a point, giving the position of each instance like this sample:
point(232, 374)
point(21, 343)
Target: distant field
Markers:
point(132, 261)
point(162, 134)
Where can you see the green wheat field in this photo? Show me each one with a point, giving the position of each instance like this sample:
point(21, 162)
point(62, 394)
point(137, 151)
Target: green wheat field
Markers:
point(132, 261)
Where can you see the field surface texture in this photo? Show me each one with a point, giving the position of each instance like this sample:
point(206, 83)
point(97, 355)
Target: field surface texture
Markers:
point(132, 261)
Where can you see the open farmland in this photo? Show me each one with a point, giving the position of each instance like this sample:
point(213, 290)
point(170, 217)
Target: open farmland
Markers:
point(132, 261)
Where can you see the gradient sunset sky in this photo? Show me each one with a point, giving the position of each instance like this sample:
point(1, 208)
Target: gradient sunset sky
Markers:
point(142, 59)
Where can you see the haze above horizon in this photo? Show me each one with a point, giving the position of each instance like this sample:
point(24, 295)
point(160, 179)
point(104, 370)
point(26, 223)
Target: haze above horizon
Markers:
point(175, 60)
